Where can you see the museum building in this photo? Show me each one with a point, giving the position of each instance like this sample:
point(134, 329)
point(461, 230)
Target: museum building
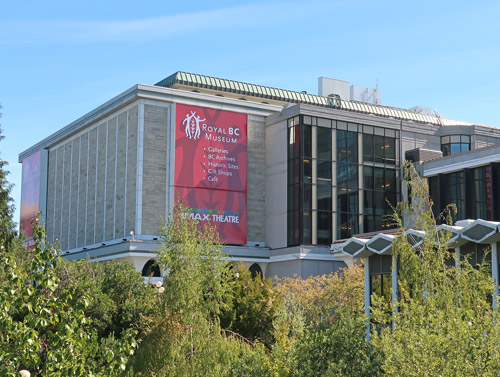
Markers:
point(281, 174)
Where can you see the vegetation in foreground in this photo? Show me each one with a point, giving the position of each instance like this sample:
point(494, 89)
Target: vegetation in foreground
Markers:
point(60, 318)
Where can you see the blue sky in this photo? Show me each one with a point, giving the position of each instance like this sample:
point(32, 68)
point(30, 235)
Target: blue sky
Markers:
point(59, 59)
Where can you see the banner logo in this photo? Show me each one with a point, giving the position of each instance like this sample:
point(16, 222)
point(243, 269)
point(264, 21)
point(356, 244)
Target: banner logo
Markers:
point(192, 125)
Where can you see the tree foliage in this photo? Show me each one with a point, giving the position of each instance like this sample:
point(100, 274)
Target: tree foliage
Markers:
point(183, 336)
point(321, 297)
point(116, 294)
point(444, 322)
point(8, 232)
point(322, 330)
point(253, 306)
point(43, 328)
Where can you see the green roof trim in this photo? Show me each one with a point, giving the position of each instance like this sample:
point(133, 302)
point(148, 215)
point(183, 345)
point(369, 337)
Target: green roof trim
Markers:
point(265, 92)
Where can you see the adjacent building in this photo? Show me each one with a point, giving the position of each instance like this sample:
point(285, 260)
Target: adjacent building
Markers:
point(282, 174)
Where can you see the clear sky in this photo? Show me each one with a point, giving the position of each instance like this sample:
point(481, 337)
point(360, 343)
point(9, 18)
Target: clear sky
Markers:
point(59, 59)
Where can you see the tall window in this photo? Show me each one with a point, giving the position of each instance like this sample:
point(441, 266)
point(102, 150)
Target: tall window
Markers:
point(326, 171)
point(380, 197)
point(347, 181)
point(454, 144)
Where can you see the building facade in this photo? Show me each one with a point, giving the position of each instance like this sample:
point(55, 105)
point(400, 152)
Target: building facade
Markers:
point(282, 174)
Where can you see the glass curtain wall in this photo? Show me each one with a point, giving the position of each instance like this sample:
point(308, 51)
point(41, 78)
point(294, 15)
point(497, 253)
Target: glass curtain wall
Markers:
point(341, 178)
point(475, 184)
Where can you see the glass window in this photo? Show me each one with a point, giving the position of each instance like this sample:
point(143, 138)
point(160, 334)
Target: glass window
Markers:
point(307, 227)
point(307, 141)
point(307, 170)
point(293, 197)
point(307, 196)
point(293, 234)
point(367, 147)
point(368, 181)
point(454, 144)
point(347, 225)
point(378, 148)
point(347, 175)
point(324, 233)
point(293, 142)
point(324, 170)
point(324, 193)
point(390, 150)
point(324, 143)
point(347, 146)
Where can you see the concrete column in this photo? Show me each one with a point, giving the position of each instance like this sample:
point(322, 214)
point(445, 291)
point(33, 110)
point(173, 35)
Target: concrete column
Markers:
point(457, 257)
point(494, 272)
point(367, 296)
point(394, 275)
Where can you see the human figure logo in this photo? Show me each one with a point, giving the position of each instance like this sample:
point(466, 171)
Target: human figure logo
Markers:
point(192, 125)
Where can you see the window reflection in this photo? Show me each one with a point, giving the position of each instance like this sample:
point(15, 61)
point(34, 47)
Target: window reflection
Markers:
point(454, 144)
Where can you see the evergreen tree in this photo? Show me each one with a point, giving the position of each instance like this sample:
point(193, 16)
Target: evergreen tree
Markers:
point(7, 226)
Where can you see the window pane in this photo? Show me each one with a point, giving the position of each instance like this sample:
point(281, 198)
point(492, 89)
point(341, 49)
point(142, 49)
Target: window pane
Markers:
point(293, 142)
point(368, 177)
point(324, 145)
point(390, 180)
point(445, 148)
point(307, 171)
point(455, 148)
point(390, 150)
point(293, 228)
point(369, 203)
point(324, 228)
point(293, 197)
point(379, 179)
point(324, 193)
point(352, 176)
point(307, 230)
point(307, 141)
point(378, 148)
point(307, 196)
point(324, 170)
point(367, 147)
point(352, 147)
point(353, 202)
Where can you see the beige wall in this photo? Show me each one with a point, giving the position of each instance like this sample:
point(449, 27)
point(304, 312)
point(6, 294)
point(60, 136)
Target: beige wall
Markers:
point(256, 179)
point(91, 183)
point(276, 185)
point(154, 184)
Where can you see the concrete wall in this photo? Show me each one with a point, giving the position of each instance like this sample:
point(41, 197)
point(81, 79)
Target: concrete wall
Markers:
point(154, 184)
point(256, 179)
point(90, 178)
point(276, 185)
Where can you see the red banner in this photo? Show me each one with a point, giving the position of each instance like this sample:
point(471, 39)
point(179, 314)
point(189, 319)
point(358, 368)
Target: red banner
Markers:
point(30, 195)
point(225, 209)
point(211, 167)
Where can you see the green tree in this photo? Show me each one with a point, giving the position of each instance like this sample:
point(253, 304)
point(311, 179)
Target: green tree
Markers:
point(253, 306)
point(42, 328)
point(8, 232)
point(444, 322)
point(183, 336)
point(321, 297)
point(322, 331)
point(116, 294)
point(337, 348)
